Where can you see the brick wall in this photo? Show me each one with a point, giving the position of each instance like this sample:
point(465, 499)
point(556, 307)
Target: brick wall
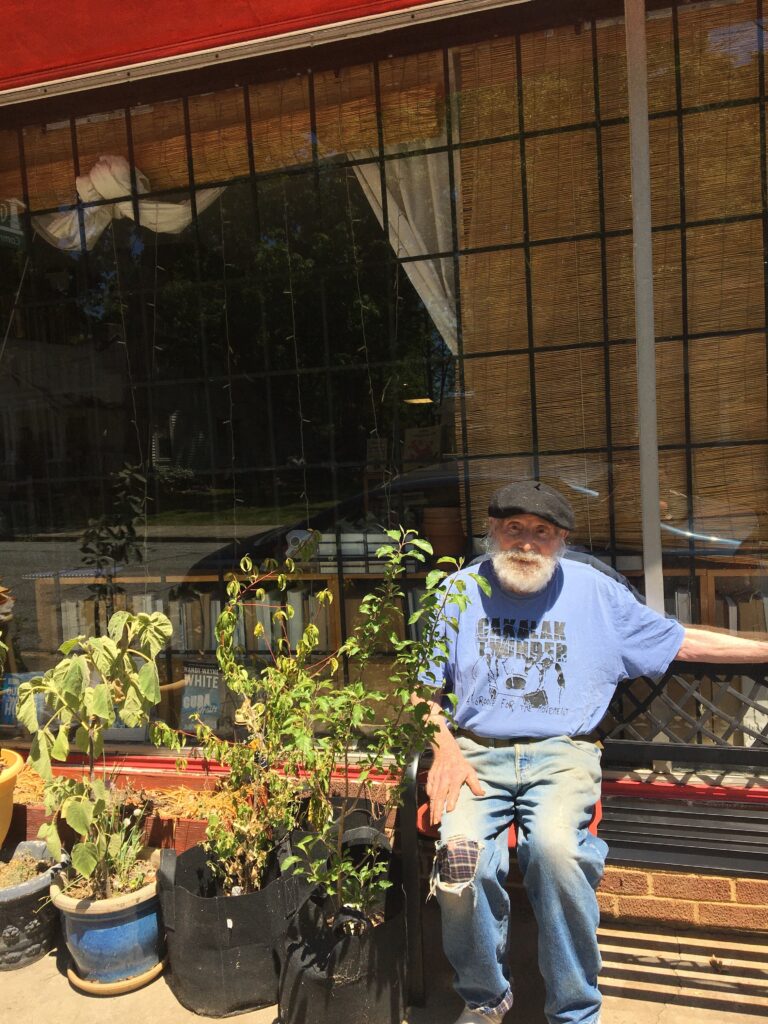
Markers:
point(677, 898)
point(683, 899)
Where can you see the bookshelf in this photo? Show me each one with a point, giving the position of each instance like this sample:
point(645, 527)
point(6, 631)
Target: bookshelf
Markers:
point(66, 604)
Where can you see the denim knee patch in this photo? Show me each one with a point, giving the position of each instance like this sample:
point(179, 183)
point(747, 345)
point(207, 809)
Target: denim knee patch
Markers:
point(456, 861)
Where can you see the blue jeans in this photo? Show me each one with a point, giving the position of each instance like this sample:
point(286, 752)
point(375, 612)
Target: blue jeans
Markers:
point(550, 787)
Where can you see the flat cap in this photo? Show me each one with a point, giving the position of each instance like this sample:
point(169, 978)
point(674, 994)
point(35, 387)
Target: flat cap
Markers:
point(532, 498)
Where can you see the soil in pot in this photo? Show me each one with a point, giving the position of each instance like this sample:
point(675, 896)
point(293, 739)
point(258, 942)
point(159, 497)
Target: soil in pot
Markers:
point(29, 923)
point(224, 952)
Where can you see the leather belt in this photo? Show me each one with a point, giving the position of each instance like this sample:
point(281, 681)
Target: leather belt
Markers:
point(487, 741)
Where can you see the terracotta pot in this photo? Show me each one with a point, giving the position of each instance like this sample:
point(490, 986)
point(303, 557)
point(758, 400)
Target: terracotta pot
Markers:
point(443, 528)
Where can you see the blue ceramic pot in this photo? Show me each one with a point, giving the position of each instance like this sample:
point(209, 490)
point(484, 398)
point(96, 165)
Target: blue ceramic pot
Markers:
point(115, 939)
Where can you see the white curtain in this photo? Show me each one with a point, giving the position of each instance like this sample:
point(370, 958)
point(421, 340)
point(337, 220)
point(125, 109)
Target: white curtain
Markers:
point(419, 216)
point(109, 178)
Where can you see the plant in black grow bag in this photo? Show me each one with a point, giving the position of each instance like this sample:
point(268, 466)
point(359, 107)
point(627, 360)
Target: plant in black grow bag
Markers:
point(227, 904)
point(346, 958)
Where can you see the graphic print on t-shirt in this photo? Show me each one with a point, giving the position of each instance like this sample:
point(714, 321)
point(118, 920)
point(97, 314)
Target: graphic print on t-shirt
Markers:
point(520, 664)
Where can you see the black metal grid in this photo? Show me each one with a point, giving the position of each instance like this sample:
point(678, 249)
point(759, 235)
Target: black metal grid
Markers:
point(696, 714)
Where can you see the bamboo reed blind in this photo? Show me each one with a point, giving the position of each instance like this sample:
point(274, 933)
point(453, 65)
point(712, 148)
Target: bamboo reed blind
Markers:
point(559, 302)
point(412, 108)
point(544, 229)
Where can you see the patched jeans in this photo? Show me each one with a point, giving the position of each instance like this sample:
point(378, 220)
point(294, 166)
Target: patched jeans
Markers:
point(550, 787)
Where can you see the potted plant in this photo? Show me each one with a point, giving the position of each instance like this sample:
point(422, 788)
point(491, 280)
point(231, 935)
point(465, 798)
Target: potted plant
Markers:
point(236, 875)
point(108, 898)
point(346, 958)
point(29, 923)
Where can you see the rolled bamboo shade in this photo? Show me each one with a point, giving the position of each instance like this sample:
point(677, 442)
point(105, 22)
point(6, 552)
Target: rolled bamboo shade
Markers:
point(504, 383)
point(726, 278)
point(665, 180)
point(487, 89)
point(719, 52)
point(669, 393)
point(723, 276)
point(728, 388)
point(412, 109)
point(612, 65)
point(583, 479)
point(570, 399)
point(218, 135)
point(558, 87)
point(9, 165)
point(567, 293)
point(667, 285)
point(722, 163)
point(491, 199)
point(562, 184)
point(494, 306)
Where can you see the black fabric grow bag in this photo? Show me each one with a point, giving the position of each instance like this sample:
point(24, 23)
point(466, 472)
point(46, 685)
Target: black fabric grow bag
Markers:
point(331, 978)
point(224, 952)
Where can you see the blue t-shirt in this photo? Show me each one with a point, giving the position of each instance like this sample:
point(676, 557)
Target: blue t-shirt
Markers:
point(547, 664)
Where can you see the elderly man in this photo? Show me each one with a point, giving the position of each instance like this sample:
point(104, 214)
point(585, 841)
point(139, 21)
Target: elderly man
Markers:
point(533, 666)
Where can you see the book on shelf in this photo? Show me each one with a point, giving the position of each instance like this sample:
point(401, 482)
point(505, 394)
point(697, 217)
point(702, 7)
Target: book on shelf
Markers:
point(295, 600)
point(178, 624)
point(201, 697)
point(146, 604)
point(683, 605)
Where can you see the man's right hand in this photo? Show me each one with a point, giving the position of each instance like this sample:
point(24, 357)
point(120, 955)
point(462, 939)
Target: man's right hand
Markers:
point(449, 772)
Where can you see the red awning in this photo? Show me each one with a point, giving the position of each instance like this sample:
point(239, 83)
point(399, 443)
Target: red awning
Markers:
point(48, 40)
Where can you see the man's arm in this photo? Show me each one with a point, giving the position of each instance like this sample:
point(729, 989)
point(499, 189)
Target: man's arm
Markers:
point(706, 645)
point(450, 769)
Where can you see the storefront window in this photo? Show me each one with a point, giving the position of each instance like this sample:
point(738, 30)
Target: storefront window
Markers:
point(348, 298)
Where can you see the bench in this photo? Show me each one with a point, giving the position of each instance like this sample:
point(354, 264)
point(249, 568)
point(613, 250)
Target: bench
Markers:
point(708, 828)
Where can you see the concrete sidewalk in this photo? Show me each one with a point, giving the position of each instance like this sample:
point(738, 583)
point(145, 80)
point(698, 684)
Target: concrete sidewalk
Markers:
point(649, 977)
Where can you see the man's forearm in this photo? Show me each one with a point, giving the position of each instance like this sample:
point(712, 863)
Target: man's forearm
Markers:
point(704, 645)
point(442, 735)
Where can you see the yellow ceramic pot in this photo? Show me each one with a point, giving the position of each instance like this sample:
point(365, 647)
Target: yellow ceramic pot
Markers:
point(11, 764)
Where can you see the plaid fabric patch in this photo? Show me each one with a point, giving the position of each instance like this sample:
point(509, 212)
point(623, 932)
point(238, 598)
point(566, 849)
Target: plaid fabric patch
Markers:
point(497, 1012)
point(457, 861)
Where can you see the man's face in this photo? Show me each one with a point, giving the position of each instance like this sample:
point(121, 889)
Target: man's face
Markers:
point(525, 550)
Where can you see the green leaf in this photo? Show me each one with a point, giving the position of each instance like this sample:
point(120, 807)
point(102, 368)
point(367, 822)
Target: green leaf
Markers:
point(60, 748)
point(81, 739)
point(482, 582)
point(434, 577)
point(117, 625)
point(149, 683)
point(84, 859)
point(132, 710)
point(26, 709)
point(78, 814)
point(69, 645)
point(40, 756)
point(101, 704)
point(422, 545)
point(75, 681)
point(50, 834)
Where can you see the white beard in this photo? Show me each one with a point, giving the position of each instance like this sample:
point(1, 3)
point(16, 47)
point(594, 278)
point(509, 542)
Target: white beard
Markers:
point(523, 572)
